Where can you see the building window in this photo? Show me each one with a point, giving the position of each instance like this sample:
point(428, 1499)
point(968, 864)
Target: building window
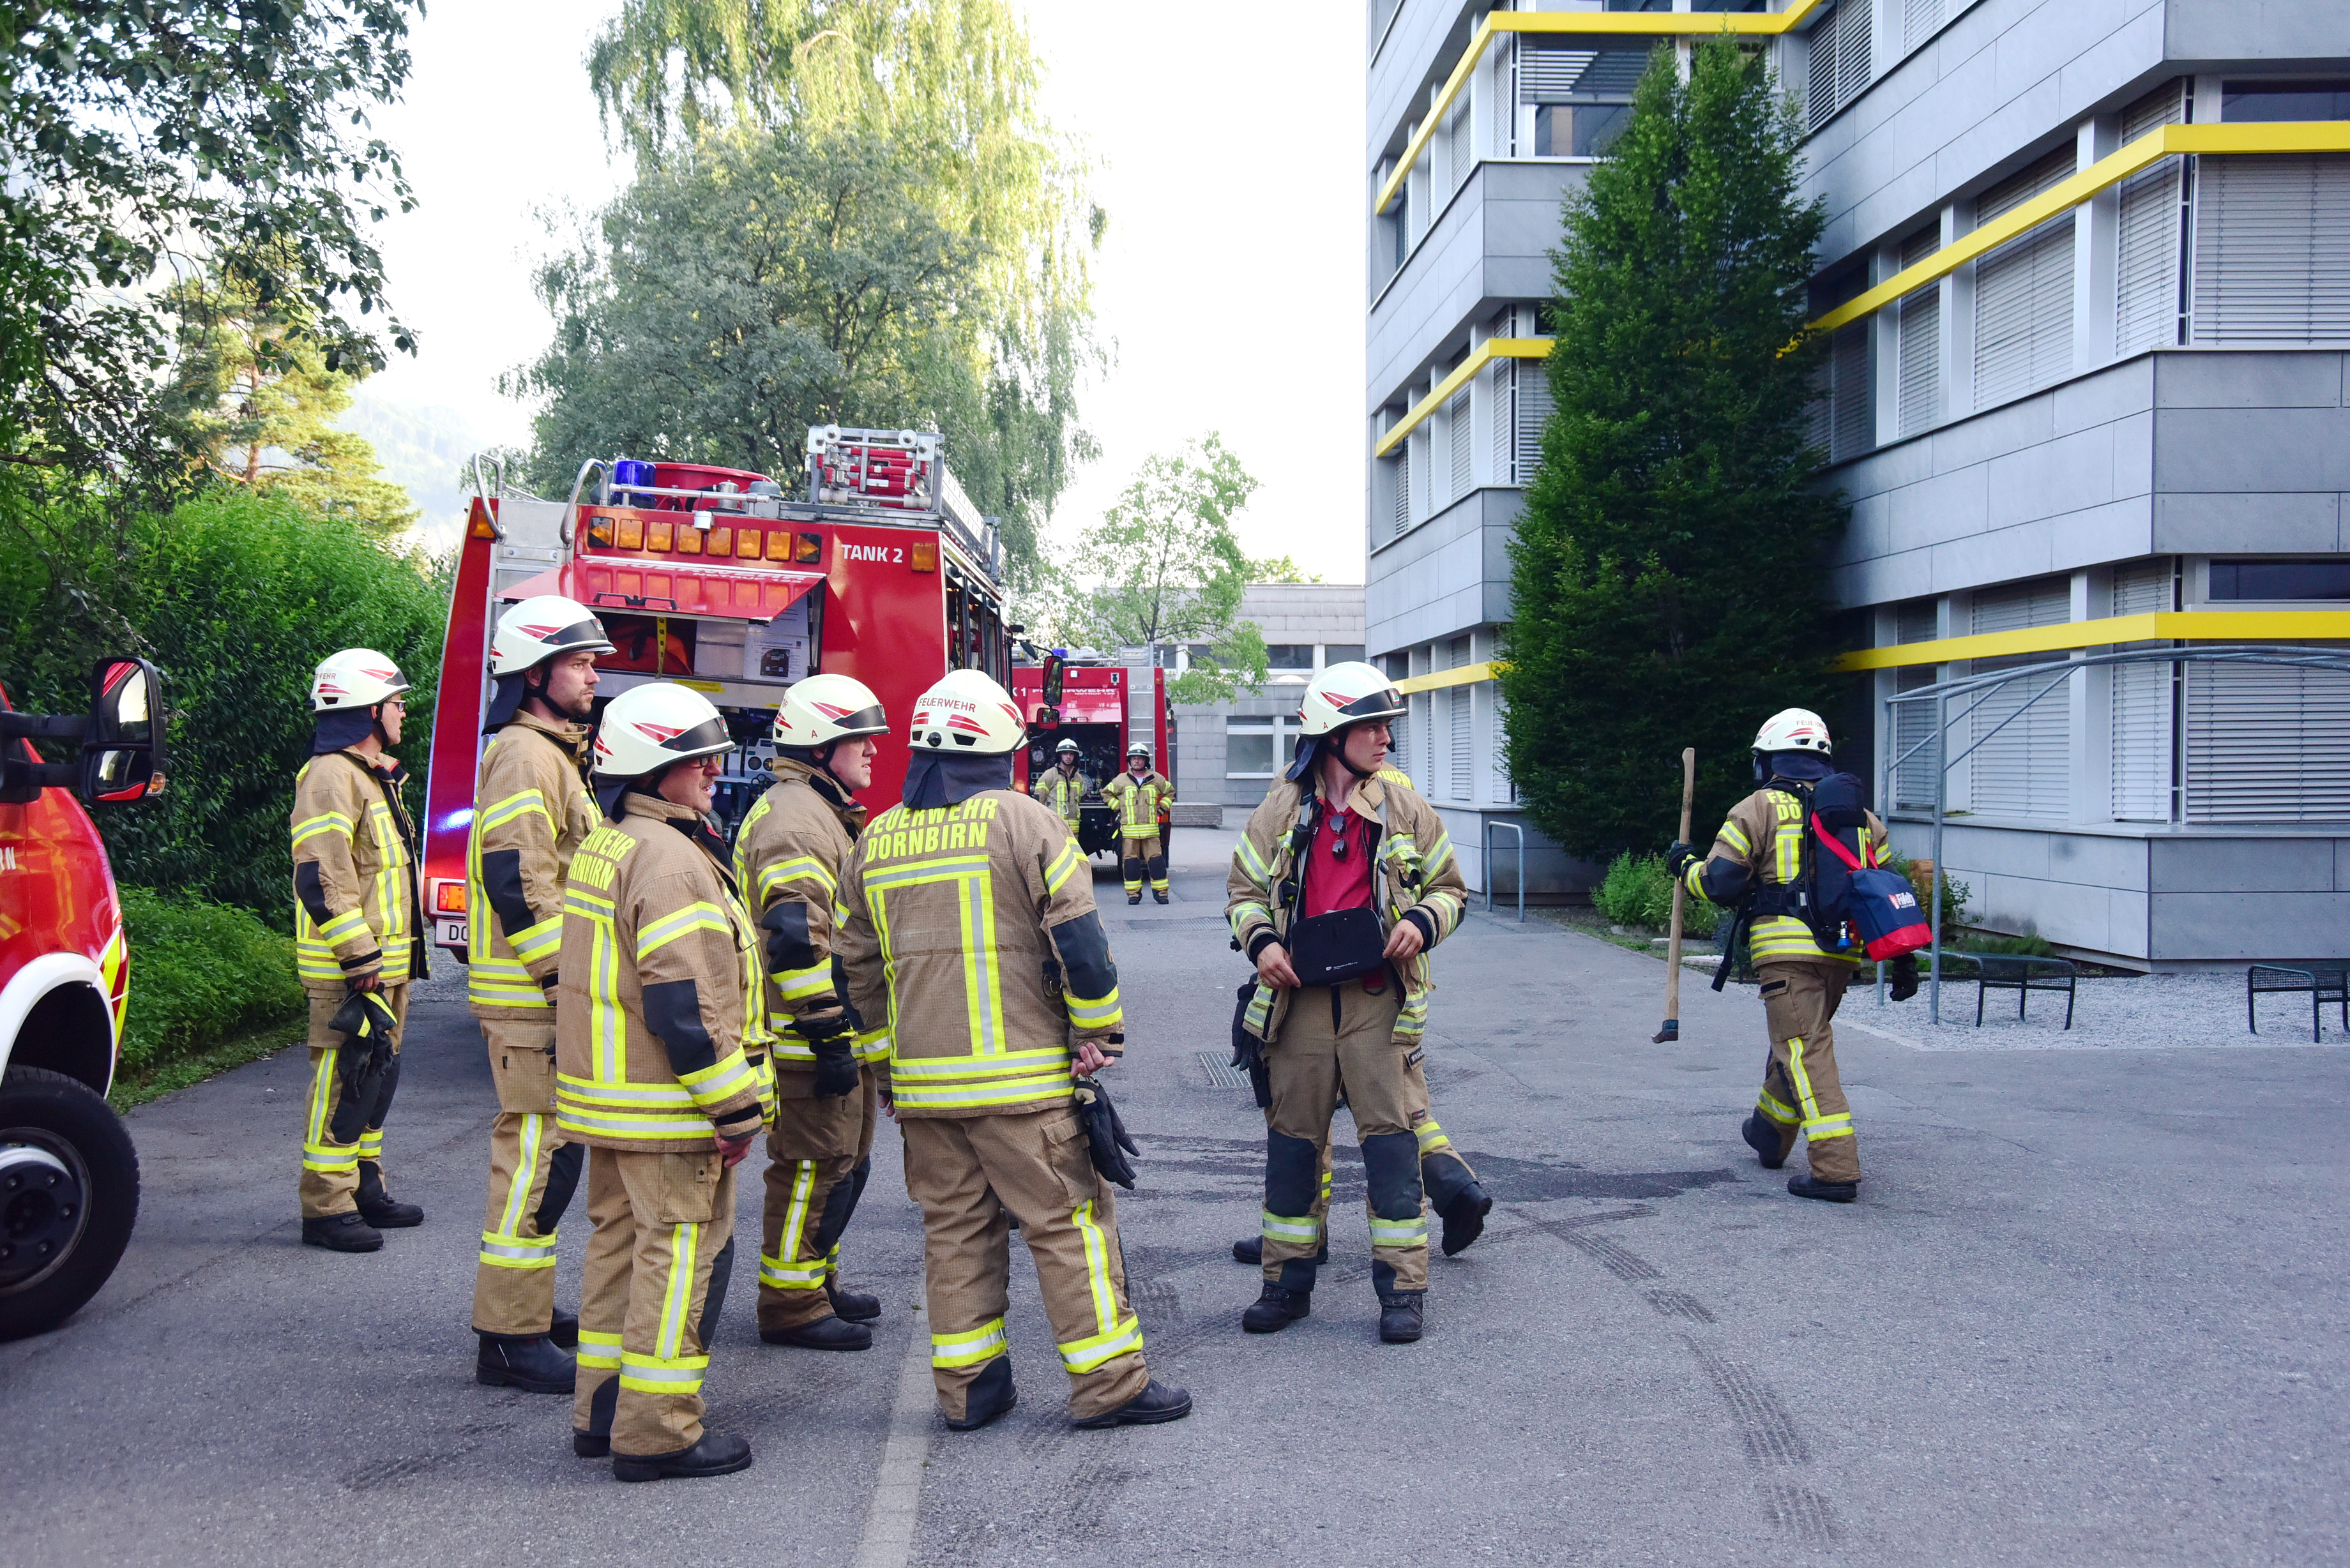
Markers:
point(1259, 748)
point(2143, 702)
point(1921, 341)
point(2023, 763)
point(1289, 656)
point(1841, 61)
point(2152, 227)
point(2324, 579)
point(2258, 101)
point(2269, 237)
point(1582, 98)
point(1341, 653)
point(2024, 291)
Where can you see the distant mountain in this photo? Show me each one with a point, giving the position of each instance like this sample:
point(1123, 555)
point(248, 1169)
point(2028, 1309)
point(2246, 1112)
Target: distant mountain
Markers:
point(423, 450)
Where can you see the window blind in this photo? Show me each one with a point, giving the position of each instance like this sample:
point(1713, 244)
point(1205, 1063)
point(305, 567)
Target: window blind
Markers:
point(1464, 748)
point(2267, 743)
point(1919, 346)
point(1919, 21)
point(2023, 766)
point(1403, 487)
point(1853, 430)
point(2146, 296)
point(1464, 457)
point(2142, 706)
point(1919, 620)
point(2272, 248)
point(1461, 132)
point(1502, 376)
point(1534, 412)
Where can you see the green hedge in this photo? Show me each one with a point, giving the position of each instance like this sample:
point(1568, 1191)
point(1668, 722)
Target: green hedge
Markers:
point(235, 597)
point(1638, 891)
point(201, 974)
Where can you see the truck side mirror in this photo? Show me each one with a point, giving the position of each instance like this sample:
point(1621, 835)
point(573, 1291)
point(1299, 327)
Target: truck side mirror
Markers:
point(1056, 676)
point(122, 750)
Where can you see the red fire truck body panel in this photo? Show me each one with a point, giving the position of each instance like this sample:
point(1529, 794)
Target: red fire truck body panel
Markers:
point(61, 922)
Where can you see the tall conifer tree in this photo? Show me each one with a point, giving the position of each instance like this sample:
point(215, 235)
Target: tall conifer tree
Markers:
point(1669, 581)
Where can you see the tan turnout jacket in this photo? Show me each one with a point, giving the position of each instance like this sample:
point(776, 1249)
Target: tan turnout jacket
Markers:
point(532, 810)
point(354, 907)
point(1138, 802)
point(1765, 833)
point(1416, 870)
point(972, 930)
point(657, 965)
point(788, 857)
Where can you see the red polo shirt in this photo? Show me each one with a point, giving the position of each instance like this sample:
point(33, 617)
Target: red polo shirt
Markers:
point(1335, 880)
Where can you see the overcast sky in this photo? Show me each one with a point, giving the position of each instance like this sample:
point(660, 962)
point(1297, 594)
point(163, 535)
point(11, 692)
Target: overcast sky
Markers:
point(1230, 282)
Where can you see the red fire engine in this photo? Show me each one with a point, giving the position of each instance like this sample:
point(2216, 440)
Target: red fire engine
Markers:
point(713, 578)
point(1104, 708)
point(68, 1175)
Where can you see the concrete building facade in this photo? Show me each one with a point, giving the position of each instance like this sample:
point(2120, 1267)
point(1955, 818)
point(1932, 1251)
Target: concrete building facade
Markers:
point(2087, 268)
point(1228, 753)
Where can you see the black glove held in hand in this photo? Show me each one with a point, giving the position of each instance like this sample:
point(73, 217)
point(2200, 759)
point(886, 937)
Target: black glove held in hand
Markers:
point(836, 1060)
point(1905, 977)
point(1105, 1134)
point(1679, 856)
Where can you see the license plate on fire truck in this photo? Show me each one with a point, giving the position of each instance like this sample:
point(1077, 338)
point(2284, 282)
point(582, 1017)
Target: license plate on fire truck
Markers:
point(448, 932)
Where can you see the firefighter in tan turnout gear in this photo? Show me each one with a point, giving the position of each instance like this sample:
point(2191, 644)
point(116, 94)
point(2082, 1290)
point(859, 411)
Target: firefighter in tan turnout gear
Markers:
point(969, 923)
point(788, 858)
point(1064, 785)
point(657, 971)
point(1139, 794)
point(1757, 858)
point(531, 809)
point(356, 918)
point(1341, 882)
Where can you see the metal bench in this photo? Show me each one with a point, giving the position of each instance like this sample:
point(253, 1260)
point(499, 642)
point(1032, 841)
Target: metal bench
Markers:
point(2324, 982)
point(2022, 975)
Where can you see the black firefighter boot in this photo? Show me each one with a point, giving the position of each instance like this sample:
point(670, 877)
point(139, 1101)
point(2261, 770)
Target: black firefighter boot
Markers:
point(376, 1207)
point(827, 1332)
point(341, 1233)
point(564, 1329)
point(530, 1362)
point(1399, 1317)
point(713, 1455)
point(990, 1395)
point(1762, 1135)
point(1275, 1309)
point(855, 1306)
point(1827, 1191)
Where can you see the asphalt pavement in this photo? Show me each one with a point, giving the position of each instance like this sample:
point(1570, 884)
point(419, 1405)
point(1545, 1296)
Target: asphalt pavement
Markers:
point(2088, 1310)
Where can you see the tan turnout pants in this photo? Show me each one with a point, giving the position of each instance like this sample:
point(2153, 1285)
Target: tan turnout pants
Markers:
point(811, 1171)
point(1435, 1148)
point(330, 1165)
point(1141, 855)
point(966, 1172)
point(653, 1286)
point(1330, 1033)
point(530, 1186)
point(1801, 1089)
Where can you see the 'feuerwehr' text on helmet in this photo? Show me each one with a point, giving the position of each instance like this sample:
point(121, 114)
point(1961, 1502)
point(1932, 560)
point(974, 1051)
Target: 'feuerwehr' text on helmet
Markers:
point(355, 678)
point(967, 712)
point(1794, 729)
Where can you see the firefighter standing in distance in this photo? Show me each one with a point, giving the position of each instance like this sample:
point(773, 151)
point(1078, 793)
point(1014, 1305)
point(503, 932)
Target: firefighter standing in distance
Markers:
point(356, 916)
point(969, 922)
point(531, 810)
point(788, 858)
point(1757, 857)
point(1064, 785)
point(658, 968)
point(1138, 793)
point(1332, 839)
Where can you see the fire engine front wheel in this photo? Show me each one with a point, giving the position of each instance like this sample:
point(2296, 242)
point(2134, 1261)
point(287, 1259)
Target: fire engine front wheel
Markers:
point(68, 1197)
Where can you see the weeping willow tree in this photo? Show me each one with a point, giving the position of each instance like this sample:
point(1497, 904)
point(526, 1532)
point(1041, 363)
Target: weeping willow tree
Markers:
point(932, 105)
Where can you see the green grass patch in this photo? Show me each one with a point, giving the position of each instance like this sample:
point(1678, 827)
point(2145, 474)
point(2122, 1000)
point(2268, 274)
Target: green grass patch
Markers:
point(211, 988)
point(1638, 891)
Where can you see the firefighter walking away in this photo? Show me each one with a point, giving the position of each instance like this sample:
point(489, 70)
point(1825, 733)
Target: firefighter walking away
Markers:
point(969, 922)
point(1341, 883)
point(657, 972)
point(532, 810)
point(355, 918)
point(1771, 863)
point(1139, 794)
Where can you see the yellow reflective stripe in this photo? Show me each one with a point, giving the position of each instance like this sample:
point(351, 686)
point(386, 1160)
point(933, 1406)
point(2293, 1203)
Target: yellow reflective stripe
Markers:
point(1103, 1013)
point(503, 982)
point(1769, 1104)
point(1116, 1336)
point(513, 806)
point(775, 875)
point(598, 1351)
point(608, 1024)
point(502, 1252)
point(969, 1347)
point(1440, 854)
point(1411, 1232)
point(873, 1045)
point(798, 984)
point(1694, 878)
point(587, 1121)
point(696, 917)
point(1240, 913)
point(995, 1092)
point(1303, 1229)
point(662, 1374)
point(1252, 864)
point(1064, 866)
point(1431, 1138)
point(1828, 1126)
point(678, 1295)
point(724, 1079)
point(1005, 1064)
point(349, 923)
point(1735, 836)
point(532, 1134)
point(783, 1271)
point(1803, 1079)
point(309, 827)
point(538, 941)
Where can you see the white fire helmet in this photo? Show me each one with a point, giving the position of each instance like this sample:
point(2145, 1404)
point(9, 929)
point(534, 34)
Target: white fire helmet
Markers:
point(646, 728)
point(1139, 749)
point(1349, 693)
point(355, 678)
point(1067, 748)
point(1794, 729)
point(822, 709)
point(970, 714)
point(536, 629)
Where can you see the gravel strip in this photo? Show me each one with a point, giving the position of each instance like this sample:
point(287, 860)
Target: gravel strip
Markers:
point(2145, 1012)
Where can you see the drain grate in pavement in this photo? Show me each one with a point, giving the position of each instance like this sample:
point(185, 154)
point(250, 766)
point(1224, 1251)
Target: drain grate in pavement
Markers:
point(1221, 1074)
